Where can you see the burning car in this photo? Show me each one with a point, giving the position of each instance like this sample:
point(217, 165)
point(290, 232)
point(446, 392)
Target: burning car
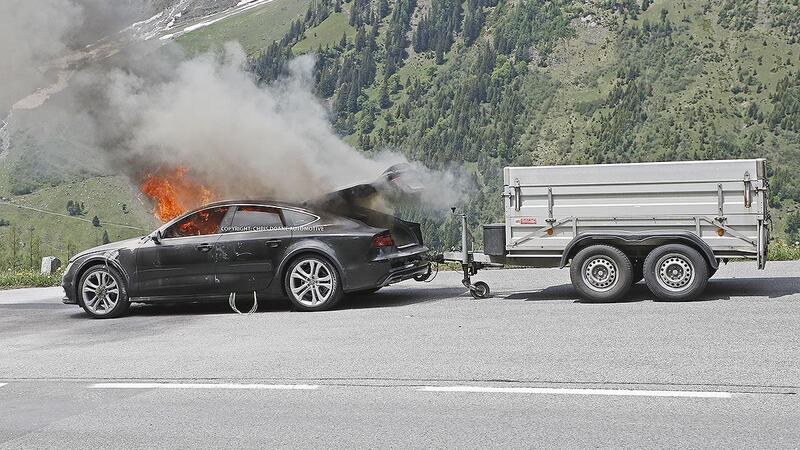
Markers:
point(312, 253)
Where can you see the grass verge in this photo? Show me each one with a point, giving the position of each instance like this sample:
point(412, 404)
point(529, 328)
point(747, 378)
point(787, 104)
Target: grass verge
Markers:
point(781, 251)
point(27, 279)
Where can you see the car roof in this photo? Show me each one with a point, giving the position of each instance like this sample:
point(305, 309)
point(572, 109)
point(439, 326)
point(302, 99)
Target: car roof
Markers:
point(275, 203)
point(265, 202)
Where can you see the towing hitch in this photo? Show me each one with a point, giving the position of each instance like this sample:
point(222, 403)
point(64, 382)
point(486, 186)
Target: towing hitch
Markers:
point(470, 265)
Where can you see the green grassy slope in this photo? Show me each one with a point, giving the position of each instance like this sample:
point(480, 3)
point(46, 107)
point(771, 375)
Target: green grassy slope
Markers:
point(58, 234)
point(254, 29)
point(327, 33)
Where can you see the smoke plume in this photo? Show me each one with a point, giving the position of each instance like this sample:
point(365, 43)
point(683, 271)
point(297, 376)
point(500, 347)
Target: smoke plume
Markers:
point(148, 108)
point(241, 138)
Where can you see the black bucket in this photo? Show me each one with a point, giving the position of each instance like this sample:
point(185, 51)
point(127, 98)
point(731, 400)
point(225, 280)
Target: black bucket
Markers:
point(494, 239)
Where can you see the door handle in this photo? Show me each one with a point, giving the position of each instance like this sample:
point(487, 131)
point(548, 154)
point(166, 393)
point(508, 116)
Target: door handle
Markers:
point(204, 247)
point(273, 242)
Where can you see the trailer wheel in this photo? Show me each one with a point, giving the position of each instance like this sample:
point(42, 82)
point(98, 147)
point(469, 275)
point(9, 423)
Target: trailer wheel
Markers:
point(675, 272)
point(601, 273)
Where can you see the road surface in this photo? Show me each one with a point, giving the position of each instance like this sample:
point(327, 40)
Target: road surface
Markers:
point(415, 365)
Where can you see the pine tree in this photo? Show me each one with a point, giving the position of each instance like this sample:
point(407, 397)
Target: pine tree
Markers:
point(106, 240)
point(96, 221)
point(383, 9)
point(385, 101)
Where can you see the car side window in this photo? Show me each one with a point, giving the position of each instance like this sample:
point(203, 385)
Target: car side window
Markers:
point(200, 223)
point(297, 218)
point(255, 218)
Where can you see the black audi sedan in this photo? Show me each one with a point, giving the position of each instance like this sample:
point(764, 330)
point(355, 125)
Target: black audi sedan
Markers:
point(312, 254)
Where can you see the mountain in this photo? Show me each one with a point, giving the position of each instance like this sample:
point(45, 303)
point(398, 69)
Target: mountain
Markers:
point(469, 87)
point(50, 160)
point(483, 84)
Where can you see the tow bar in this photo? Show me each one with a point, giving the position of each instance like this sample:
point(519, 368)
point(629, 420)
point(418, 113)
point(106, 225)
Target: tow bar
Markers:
point(471, 262)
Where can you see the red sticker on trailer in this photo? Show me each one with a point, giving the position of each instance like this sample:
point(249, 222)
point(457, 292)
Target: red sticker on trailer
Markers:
point(526, 221)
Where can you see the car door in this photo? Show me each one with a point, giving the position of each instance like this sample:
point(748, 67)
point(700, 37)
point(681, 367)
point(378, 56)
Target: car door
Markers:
point(184, 261)
point(252, 246)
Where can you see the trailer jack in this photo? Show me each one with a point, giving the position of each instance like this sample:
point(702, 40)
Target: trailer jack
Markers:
point(469, 265)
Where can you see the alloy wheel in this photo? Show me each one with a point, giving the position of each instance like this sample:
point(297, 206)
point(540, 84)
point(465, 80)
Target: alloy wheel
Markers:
point(311, 282)
point(100, 292)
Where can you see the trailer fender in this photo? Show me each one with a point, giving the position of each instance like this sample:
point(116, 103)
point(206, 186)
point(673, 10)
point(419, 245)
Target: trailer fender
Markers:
point(627, 240)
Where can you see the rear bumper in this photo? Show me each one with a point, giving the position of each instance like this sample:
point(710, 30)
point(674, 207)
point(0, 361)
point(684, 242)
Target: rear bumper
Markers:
point(386, 269)
point(406, 272)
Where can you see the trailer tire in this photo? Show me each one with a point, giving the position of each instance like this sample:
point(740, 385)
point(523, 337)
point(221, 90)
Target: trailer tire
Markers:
point(676, 272)
point(601, 273)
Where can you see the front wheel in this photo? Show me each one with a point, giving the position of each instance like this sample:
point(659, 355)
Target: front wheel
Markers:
point(312, 284)
point(102, 293)
point(675, 272)
point(601, 273)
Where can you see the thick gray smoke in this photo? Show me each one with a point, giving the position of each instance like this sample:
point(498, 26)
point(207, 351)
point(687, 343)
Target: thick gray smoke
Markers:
point(31, 37)
point(37, 37)
point(240, 138)
point(146, 109)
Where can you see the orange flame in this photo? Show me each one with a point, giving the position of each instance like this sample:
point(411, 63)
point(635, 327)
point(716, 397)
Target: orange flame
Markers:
point(174, 193)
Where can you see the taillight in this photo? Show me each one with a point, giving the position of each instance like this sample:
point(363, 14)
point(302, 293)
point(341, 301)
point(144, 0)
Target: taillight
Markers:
point(382, 240)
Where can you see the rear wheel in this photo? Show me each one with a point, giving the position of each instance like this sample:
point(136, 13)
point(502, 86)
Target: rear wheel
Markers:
point(312, 284)
point(102, 293)
point(601, 273)
point(676, 272)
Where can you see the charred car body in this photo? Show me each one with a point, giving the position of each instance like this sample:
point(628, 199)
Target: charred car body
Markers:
point(311, 253)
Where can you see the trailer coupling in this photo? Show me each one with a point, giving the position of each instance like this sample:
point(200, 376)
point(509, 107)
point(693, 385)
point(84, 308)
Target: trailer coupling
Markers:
point(470, 261)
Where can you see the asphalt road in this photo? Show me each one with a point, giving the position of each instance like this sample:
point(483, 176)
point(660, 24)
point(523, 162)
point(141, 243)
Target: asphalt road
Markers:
point(415, 365)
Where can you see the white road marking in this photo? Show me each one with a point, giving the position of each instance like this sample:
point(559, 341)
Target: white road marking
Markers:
point(565, 391)
point(3, 384)
point(203, 386)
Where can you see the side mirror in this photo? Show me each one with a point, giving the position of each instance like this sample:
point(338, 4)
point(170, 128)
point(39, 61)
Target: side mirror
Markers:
point(157, 236)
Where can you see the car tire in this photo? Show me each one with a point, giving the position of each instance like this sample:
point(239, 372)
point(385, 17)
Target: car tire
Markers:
point(102, 292)
point(312, 283)
point(601, 273)
point(676, 272)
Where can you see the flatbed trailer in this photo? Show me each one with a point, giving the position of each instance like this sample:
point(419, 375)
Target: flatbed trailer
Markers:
point(669, 223)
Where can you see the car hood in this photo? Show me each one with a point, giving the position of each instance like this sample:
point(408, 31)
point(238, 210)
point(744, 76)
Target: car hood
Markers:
point(119, 245)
